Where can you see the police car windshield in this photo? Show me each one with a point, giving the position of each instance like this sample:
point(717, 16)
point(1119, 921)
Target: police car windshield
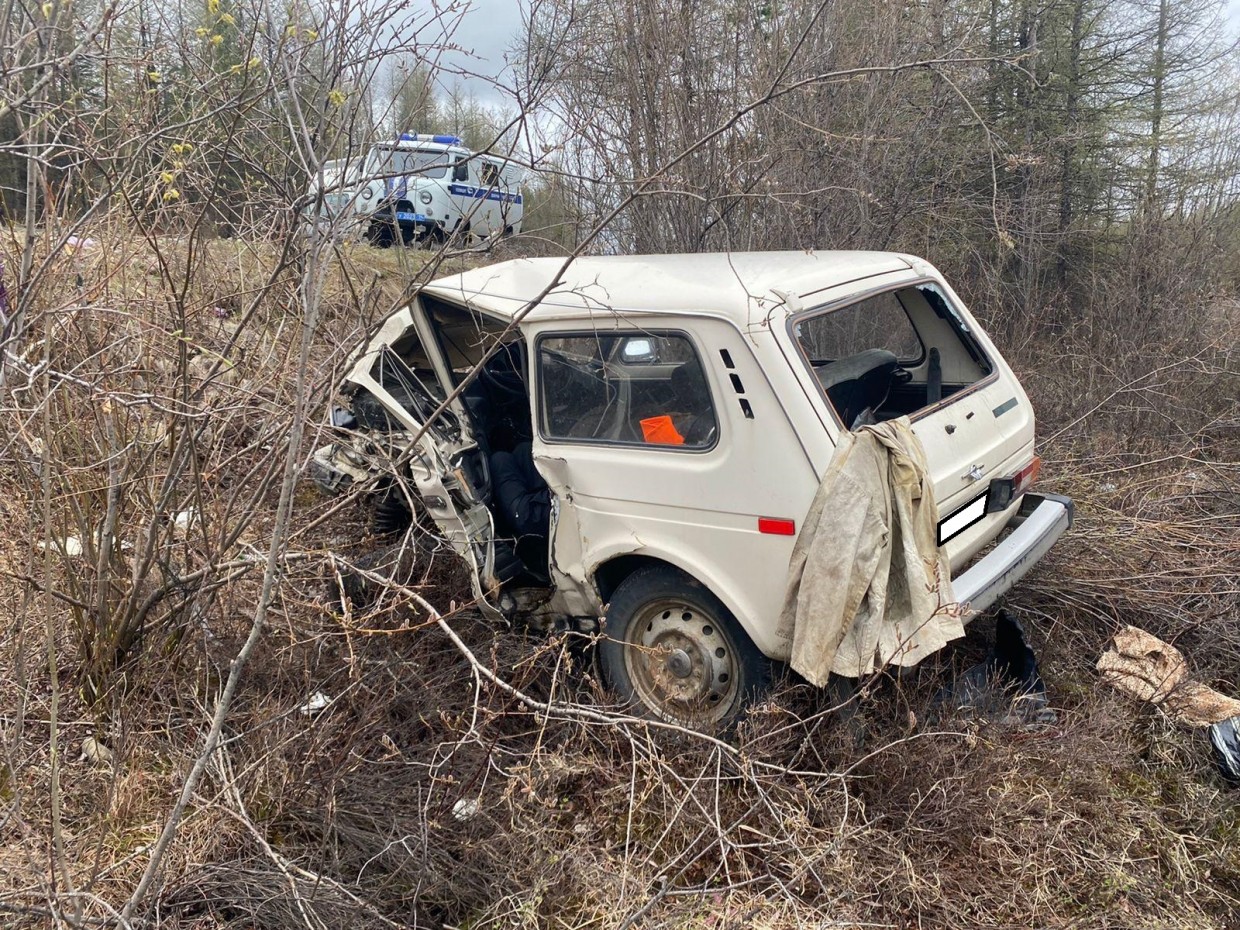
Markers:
point(401, 162)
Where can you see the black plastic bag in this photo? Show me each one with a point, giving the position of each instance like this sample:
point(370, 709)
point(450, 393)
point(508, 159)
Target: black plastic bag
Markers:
point(1007, 687)
point(1225, 738)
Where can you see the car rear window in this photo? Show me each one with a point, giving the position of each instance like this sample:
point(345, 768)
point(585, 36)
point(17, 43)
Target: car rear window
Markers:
point(878, 322)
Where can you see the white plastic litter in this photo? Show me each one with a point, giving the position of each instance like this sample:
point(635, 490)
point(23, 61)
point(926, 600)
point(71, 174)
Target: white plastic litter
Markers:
point(317, 702)
point(95, 752)
point(466, 809)
point(70, 546)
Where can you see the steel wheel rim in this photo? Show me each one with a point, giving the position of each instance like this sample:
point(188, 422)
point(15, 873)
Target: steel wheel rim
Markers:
point(681, 664)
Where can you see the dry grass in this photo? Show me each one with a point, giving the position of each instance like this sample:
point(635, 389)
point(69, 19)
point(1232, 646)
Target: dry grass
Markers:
point(423, 797)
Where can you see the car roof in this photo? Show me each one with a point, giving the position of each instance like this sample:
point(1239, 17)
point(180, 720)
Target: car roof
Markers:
point(744, 286)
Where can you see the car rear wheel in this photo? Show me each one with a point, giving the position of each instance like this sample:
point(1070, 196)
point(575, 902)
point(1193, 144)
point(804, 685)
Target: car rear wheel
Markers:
point(673, 651)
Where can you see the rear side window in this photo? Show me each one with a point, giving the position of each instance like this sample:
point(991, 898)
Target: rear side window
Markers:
point(878, 322)
point(646, 389)
point(891, 354)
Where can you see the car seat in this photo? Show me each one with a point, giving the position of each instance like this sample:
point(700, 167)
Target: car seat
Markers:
point(858, 382)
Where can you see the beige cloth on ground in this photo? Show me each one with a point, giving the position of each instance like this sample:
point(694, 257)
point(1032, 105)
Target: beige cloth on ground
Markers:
point(868, 584)
point(1141, 664)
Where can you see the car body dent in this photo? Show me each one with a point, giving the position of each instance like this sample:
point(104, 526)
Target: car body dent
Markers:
point(585, 542)
point(465, 522)
point(575, 593)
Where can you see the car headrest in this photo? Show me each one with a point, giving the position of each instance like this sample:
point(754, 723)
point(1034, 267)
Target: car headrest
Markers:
point(689, 386)
point(856, 366)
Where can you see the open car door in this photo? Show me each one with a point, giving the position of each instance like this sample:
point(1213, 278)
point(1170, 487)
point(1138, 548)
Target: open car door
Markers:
point(394, 385)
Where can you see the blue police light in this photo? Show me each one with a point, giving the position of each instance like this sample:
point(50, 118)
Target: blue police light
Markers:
point(426, 137)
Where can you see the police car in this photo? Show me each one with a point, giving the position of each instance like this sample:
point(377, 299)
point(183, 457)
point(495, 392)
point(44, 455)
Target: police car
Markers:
point(420, 188)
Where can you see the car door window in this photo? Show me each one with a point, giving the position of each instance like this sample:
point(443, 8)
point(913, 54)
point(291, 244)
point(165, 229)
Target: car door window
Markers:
point(646, 389)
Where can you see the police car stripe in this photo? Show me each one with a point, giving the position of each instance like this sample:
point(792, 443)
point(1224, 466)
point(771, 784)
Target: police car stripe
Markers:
point(462, 190)
point(399, 187)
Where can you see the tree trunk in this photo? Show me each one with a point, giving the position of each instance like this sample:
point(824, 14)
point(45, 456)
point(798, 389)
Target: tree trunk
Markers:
point(1156, 114)
point(1067, 174)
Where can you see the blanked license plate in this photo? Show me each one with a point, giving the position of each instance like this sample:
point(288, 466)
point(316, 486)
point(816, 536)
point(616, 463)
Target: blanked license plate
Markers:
point(962, 519)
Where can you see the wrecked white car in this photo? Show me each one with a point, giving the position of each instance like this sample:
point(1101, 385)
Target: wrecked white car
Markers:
point(645, 436)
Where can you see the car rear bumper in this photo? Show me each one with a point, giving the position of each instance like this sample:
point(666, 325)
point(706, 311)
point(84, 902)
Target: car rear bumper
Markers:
point(1039, 521)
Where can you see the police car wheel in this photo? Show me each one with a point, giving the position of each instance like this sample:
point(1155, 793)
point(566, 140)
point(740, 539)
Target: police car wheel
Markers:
point(379, 234)
point(672, 651)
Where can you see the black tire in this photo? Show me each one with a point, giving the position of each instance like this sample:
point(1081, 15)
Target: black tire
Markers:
point(391, 514)
point(379, 234)
point(433, 238)
point(671, 650)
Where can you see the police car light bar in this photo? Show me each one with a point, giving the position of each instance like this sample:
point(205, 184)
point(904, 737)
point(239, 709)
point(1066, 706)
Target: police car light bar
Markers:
point(427, 137)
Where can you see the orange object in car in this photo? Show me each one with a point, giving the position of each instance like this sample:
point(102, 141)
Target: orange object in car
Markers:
point(661, 430)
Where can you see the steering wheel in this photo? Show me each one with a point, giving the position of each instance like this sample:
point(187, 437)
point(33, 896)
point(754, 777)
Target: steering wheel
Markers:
point(505, 371)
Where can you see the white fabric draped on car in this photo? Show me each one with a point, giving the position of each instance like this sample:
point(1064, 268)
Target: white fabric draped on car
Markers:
point(868, 584)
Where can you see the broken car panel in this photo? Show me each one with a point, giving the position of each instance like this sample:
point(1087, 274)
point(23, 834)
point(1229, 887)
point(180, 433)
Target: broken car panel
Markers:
point(647, 439)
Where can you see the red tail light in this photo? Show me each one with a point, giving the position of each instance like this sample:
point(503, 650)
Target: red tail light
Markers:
point(1003, 491)
point(1025, 478)
point(776, 527)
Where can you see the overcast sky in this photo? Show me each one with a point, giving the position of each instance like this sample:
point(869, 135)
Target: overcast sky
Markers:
point(487, 34)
